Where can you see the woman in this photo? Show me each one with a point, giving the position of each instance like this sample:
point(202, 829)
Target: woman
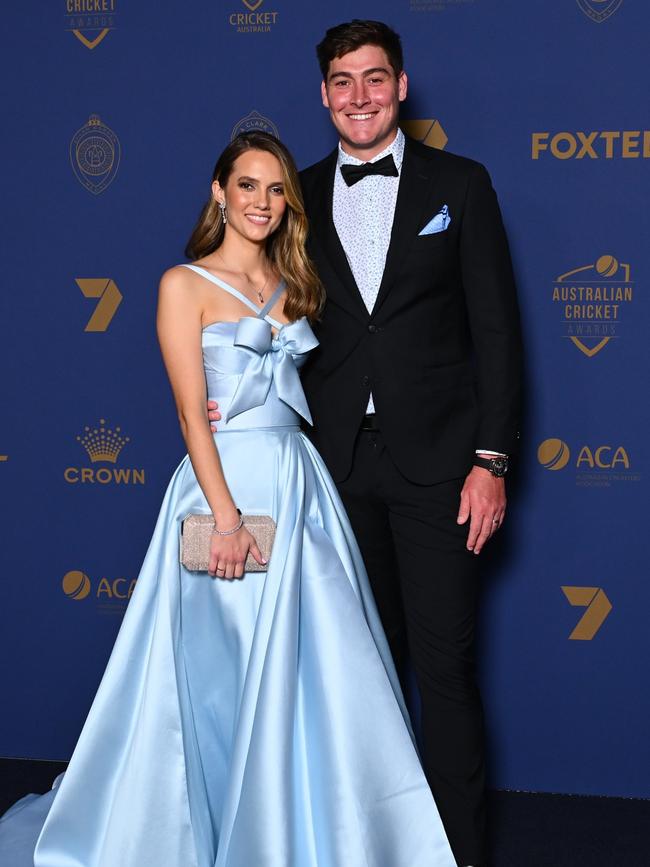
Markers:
point(253, 722)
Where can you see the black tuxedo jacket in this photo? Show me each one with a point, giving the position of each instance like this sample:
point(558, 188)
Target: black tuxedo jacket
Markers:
point(441, 350)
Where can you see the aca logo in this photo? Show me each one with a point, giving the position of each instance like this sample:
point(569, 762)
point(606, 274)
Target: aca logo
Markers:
point(254, 122)
point(95, 154)
point(90, 20)
point(553, 454)
point(429, 132)
point(253, 21)
point(110, 298)
point(591, 299)
point(76, 585)
point(595, 465)
point(109, 594)
point(598, 606)
point(599, 10)
point(103, 445)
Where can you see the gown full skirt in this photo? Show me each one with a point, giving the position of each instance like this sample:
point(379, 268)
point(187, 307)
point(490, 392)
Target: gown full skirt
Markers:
point(247, 723)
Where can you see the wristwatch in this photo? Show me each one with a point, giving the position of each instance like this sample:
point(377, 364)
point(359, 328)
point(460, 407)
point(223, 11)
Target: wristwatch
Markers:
point(498, 466)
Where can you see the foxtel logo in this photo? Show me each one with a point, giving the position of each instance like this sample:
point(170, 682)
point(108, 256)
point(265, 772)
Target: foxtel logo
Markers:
point(609, 145)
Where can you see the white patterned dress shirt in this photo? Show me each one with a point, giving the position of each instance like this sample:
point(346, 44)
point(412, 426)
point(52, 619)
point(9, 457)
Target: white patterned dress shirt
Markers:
point(363, 218)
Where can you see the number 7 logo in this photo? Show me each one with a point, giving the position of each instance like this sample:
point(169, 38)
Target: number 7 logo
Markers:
point(109, 296)
point(598, 607)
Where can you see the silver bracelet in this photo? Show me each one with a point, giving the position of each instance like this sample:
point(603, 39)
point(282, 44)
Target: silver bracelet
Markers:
point(234, 530)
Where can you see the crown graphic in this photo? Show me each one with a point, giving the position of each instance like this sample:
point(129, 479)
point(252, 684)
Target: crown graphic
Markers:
point(103, 443)
point(94, 120)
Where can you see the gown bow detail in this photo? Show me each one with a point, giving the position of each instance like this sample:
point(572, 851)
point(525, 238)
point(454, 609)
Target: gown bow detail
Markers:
point(184, 763)
point(272, 362)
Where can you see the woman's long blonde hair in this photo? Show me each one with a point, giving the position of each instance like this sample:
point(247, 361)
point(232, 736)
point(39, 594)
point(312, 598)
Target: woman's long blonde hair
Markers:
point(286, 246)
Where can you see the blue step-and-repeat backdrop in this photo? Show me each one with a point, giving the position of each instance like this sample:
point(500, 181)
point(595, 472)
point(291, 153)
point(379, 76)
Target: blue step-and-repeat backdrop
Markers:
point(114, 113)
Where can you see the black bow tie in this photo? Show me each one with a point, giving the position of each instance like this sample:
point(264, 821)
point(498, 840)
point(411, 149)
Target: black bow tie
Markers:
point(384, 166)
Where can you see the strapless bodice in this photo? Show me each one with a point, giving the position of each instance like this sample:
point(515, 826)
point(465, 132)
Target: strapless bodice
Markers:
point(252, 373)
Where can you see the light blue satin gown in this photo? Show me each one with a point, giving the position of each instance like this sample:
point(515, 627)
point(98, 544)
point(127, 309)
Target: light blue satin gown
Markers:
point(251, 723)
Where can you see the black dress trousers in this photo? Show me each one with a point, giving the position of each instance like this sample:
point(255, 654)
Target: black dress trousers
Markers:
point(425, 583)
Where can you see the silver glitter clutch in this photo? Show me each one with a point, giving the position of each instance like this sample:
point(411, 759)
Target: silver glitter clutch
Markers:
point(196, 533)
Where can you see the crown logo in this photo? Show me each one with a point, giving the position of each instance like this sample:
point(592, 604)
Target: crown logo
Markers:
point(94, 120)
point(103, 443)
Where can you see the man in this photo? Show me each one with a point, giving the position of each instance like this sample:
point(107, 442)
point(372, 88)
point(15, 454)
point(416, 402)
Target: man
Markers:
point(414, 389)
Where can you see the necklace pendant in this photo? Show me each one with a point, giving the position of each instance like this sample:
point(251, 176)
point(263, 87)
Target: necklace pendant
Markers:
point(260, 296)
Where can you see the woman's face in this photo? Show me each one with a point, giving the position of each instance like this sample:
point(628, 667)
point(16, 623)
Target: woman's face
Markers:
point(253, 195)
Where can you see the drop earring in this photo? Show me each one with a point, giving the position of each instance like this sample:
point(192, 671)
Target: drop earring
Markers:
point(224, 215)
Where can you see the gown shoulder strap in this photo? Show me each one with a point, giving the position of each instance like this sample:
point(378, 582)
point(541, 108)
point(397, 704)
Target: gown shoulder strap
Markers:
point(225, 286)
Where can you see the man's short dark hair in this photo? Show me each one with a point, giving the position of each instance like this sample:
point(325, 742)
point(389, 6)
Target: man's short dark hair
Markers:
point(345, 38)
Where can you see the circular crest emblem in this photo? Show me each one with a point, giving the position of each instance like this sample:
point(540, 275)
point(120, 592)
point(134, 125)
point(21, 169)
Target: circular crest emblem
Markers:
point(95, 155)
point(254, 122)
point(599, 10)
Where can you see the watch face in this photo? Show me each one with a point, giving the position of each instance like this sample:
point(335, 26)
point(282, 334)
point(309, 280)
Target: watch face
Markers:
point(500, 466)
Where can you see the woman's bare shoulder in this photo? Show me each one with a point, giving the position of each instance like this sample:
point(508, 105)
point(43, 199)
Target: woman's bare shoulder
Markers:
point(177, 276)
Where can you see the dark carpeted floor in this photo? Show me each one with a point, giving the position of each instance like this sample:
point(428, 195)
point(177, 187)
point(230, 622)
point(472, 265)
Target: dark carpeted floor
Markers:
point(527, 830)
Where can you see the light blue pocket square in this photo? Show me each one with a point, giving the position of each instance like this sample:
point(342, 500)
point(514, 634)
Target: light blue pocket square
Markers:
point(439, 223)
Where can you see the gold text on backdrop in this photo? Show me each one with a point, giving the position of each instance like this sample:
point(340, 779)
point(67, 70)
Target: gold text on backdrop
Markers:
point(595, 465)
point(629, 144)
point(103, 444)
point(253, 21)
point(592, 299)
point(90, 20)
point(110, 595)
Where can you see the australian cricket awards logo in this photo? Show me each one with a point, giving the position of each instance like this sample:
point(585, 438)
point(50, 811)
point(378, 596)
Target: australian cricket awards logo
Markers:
point(599, 10)
point(254, 122)
point(90, 20)
point(109, 594)
point(429, 132)
point(103, 445)
point(592, 300)
point(254, 19)
point(95, 155)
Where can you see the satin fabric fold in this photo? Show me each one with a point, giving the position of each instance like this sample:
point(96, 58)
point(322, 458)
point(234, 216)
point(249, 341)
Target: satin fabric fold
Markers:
point(272, 362)
point(252, 723)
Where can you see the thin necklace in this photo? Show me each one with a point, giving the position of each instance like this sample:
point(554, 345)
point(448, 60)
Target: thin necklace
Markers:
point(259, 292)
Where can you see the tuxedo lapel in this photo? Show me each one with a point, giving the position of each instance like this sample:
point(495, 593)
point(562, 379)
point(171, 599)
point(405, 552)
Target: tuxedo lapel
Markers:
point(323, 230)
point(417, 177)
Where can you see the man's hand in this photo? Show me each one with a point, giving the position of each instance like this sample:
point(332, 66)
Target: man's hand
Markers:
point(213, 414)
point(483, 498)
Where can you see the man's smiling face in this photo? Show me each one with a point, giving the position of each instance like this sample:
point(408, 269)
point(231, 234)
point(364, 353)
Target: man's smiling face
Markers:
point(363, 95)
